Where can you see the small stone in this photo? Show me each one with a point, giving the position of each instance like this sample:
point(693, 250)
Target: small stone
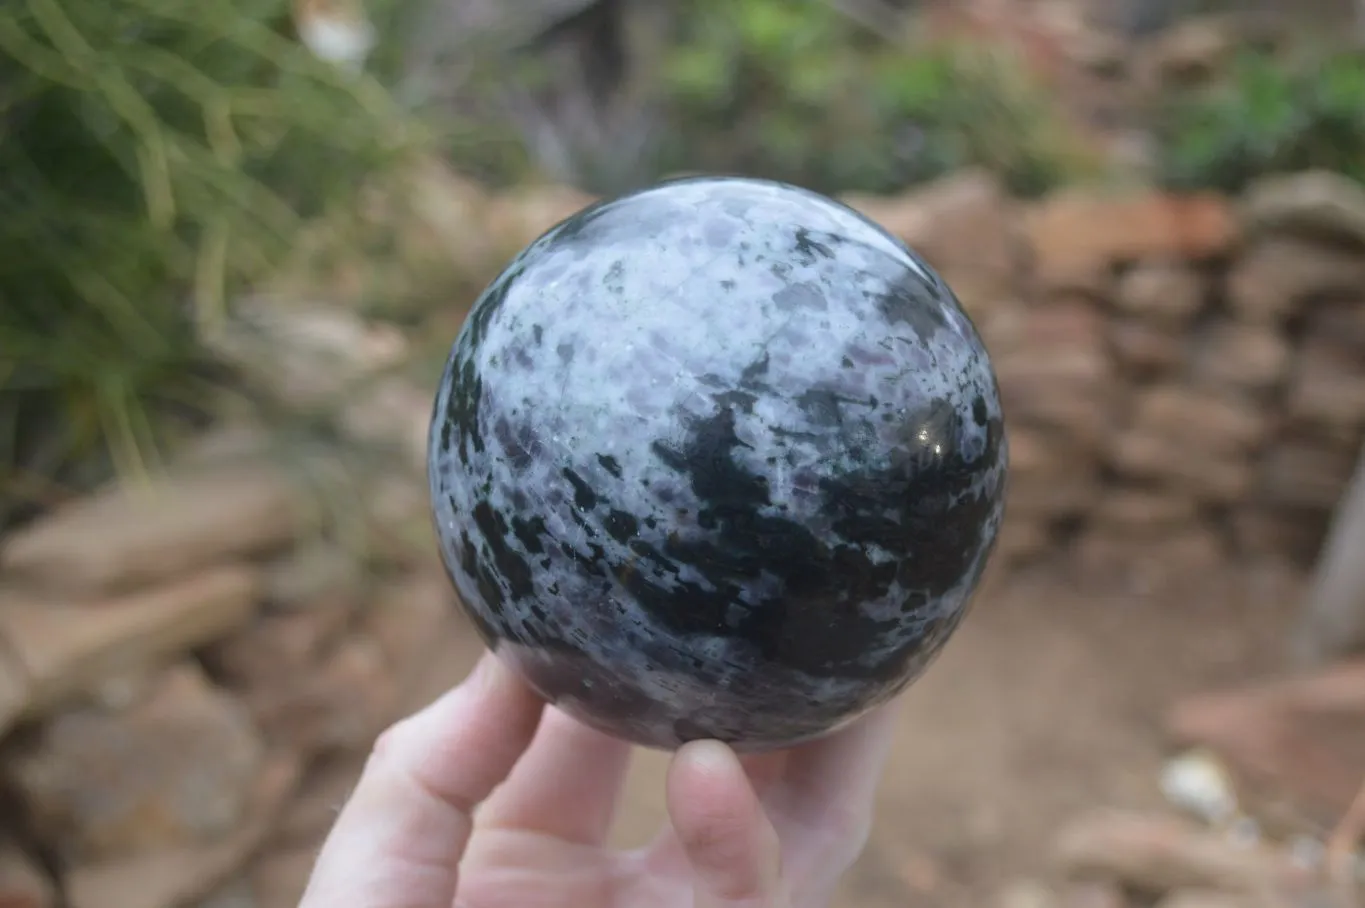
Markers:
point(405, 618)
point(313, 573)
point(307, 354)
point(1091, 894)
point(1259, 530)
point(1207, 898)
point(962, 223)
point(1069, 391)
point(176, 768)
point(66, 650)
point(1296, 475)
point(1049, 478)
point(1328, 385)
point(1313, 204)
point(22, 883)
point(1078, 236)
point(1147, 457)
point(1026, 894)
point(1142, 513)
point(1157, 853)
point(391, 413)
point(1145, 350)
point(280, 878)
point(1242, 357)
point(316, 804)
point(340, 707)
point(1298, 736)
point(178, 875)
point(1165, 293)
point(1202, 421)
point(276, 649)
point(125, 536)
point(1277, 276)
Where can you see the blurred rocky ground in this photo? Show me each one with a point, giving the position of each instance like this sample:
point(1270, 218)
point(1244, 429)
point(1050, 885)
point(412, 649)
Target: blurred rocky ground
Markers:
point(191, 670)
point(193, 667)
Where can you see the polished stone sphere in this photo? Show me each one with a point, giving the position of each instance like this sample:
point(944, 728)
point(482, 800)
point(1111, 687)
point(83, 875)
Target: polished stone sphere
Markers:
point(717, 459)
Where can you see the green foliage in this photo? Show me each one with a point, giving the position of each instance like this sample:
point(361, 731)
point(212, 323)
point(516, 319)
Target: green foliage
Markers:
point(794, 90)
point(1271, 114)
point(155, 156)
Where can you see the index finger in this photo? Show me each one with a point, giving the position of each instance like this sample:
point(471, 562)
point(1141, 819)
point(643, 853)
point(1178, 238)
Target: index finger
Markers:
point(399, 839)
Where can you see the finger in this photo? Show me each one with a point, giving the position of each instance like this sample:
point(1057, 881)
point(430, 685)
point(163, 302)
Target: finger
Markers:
point(825, 803)
point(398, 841)
point(731, 846)
point(566, 786)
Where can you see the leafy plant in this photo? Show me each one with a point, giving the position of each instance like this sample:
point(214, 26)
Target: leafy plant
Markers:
point(793, 89)
point(155, 156)
point(1270, 114)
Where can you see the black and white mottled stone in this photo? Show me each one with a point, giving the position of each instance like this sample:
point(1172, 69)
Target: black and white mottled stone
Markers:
point(717, 459)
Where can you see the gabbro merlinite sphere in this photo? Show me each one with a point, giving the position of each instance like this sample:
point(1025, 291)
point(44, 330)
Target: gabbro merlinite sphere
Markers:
point(717, 459)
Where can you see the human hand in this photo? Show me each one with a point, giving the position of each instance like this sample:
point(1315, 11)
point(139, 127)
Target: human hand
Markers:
point(772, 830)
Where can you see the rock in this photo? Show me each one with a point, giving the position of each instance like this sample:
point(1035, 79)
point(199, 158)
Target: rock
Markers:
point(405, 618)
point(1146, 457)
point(1192, 51)
point(174, 769)
point(1208, 898)
point(1022, 539)
point(1026, 894)
point(398, 525)
point(276, 649)
point(962, 224)
point(1198, 442)
point(1199, 421)
point(341, 706)
point(1158, 853)
point(1340, 322)
point(1130, 513)
point(1313, 204)
point(22, 883)
point(278, 879)
point(1077, 236)
point(1299, 736)
point(314, 574)
point(306, 354)
point(1049, 478)
point(1186, 554)
point(1165, 293)
point(1259, 530)
point(1328, 385)
point(1091, 894)
point(64, 650)
point(14, 689)
point(1240, 357)
point(393, 413)
point(513, 219)
point(1303, 476)
point(1277, 276)
point(314, 807)
point(1032, 391)
point(178, 875)
point(1145, 350)
point(124, 536)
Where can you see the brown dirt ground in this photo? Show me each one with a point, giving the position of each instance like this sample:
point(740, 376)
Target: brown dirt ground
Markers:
point(1046, 703)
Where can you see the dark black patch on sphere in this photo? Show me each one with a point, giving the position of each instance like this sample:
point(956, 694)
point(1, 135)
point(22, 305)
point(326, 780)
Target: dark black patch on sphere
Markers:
point(748, 502)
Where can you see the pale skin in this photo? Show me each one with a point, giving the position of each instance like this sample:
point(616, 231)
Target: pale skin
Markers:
point(490, 799)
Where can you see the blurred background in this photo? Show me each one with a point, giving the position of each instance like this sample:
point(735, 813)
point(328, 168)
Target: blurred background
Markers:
point(239, 237)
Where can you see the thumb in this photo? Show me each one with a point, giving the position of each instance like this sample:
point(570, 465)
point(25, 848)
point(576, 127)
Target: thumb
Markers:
point(730, 844)
point(397, 842)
